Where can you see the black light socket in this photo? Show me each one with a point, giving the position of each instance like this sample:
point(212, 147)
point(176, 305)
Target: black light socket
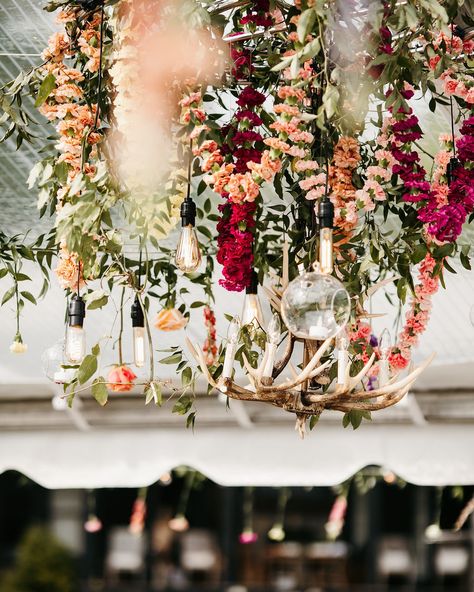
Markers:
point(76, 311)
point(252, 288)
point(188, 212)
point(326, 213)
point(138, 318)
point(453, 164)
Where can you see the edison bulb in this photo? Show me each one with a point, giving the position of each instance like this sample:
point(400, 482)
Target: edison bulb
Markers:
point(139, 346)
point(188, 252)
point(252, 312)
point(315, 306)
point(325, 250)
point(75, 344)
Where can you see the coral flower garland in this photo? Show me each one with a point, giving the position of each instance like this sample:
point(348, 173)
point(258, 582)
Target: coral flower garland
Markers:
point(343, 193)
point(417, 316)
point(416, 321)
point(76, 120)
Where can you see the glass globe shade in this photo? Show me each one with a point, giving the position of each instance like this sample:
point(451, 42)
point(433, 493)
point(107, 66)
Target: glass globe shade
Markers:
point(315, 306)
point(53, 361)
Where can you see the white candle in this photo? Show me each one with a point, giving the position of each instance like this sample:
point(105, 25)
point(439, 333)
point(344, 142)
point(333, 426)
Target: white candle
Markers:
point(232, 342)
point(270, 355)
point(318, 331)
point(63, 375)
point(229, 360)
point(384, 372)
point(273, 338)
point(342, 359)
point(385, 347)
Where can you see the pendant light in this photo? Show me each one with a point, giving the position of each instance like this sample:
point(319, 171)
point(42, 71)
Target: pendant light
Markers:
point(138, 326)
point(188, 252)
point(326, 226)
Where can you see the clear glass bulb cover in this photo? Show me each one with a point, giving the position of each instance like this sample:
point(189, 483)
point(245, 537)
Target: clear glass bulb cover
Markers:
point(274, 330)
point(252, 311)
point(315, 306)
point(385, 343)
point(326, 251)
point(188, 252)
point(139, 351)
point(75, 344)
point(234, 330)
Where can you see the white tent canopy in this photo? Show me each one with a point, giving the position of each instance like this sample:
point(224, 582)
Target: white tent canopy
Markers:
point(431, 455)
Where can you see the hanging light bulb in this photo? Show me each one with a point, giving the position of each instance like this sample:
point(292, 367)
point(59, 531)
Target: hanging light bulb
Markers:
point(138, 324)
point(188, 252)
point(252, 311)
point(326, 225)
point(385, 346)
point(232, 341)
point(75, 336)
point(273, 338)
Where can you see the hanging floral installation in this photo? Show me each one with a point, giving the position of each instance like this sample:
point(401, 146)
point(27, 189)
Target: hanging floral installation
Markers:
point(293, 167)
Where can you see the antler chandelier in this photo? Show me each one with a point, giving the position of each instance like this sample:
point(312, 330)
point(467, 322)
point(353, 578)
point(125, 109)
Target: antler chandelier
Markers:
point(315, 307)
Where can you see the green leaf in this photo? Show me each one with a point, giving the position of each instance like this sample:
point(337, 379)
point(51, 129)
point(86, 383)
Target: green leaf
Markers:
point(87, 369)
point(153, 392)
point(313, 421)
point(173, 359)
point(8, 295)
point(305, 24)
point(190, 420)
point(96, 299)
point(355, 418)
point(45, 89)
point(29, 297)
point(99, 391)
point(186, 376)
point(183, 405)
point(465, 261)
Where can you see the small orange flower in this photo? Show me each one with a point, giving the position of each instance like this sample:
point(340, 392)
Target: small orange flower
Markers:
point(68, 269)
point(121, 379)
point(170, 319)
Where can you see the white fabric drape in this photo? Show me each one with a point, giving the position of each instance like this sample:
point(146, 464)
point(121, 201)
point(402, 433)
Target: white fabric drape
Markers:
point(431, 455)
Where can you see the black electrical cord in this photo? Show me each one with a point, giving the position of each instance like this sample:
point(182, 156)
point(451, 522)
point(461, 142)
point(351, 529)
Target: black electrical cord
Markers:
point(99, 82)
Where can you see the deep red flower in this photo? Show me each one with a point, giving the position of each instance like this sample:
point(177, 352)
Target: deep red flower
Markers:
point(250, 97)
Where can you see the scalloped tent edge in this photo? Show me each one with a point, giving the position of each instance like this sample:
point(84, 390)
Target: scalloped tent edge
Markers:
point(436, 455)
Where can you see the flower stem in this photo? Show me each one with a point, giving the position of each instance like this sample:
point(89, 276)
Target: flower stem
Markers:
point(120, 350)
point(150, 340)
